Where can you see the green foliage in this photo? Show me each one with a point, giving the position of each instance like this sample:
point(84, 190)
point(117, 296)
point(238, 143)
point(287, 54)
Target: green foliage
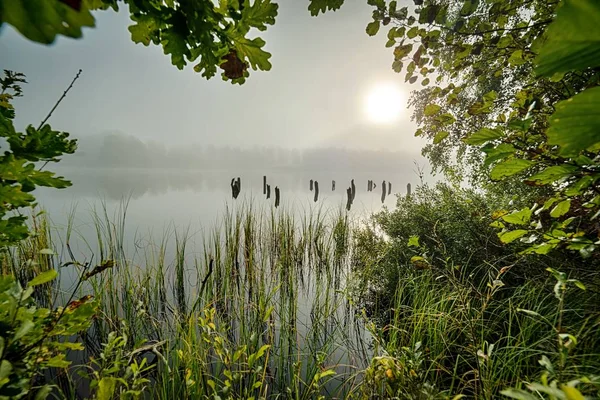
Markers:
point(320, 6)
point(118, 373)
point(42, 20)
point(19, 176)
point(211, 35)
point(550, 385)
point(575, 125)
point(33, 339)
point(401, 376)
point(215, 35)
point(573, 39)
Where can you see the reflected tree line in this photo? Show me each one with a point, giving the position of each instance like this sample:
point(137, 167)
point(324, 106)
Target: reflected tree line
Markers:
point(118, 150)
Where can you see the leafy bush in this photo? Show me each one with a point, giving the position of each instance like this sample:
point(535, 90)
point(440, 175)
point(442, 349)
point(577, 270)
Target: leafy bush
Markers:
point(33, 339)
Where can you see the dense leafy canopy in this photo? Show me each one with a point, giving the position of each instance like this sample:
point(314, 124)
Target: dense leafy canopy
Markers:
point(201, 32)
point(511, 92)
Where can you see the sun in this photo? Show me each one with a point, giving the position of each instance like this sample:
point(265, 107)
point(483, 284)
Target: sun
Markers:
point(384, 103)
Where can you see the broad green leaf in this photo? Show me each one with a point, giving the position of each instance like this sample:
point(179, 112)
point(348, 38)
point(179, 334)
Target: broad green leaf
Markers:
point(499, 152)
point(483, 136)
point(252, 50)
point(106, 388)
point(575, 125)
point(44, 277)
point(320, 6)
point(259, 14)
point(6, 369)
point(543, 248)
point(521, 217)
point(538, 387)
point(431, 109)
point(58, 361)
point(509, 167)
point(412, 32)
point(518, 394)
point(572, 393)
point(175, 44)
point(510, 236)
point(552, 174)
point(402, 51)
point(144, 30)
point(561, 209)
point(373, 28)
point(516, 58)
point(573, 39)
point(440, 136)
point(42, 20)
point(24, 329)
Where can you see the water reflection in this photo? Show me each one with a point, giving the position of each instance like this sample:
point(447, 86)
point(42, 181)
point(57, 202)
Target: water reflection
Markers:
point(115, 184)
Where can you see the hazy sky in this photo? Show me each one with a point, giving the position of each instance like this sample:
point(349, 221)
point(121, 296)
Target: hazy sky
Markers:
point(323, 69)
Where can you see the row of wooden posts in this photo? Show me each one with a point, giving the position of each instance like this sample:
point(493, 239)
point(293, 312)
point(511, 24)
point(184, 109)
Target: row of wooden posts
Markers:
point(386, 189)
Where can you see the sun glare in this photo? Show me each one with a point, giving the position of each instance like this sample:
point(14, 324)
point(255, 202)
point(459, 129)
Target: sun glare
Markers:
point(384, 103)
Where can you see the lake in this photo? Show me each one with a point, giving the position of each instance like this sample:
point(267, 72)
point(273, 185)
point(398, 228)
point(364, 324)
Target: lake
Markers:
point(157, 201)
point(152, 210)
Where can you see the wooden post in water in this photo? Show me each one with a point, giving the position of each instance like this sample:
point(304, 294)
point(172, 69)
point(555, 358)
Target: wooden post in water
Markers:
point(332, 185)
point(316, 191)
point(408, 189)
point(232, 187)
point(276, 196)
point(383, 191)
point(239, 184)
point(268, 191)
point(264, 184)
point(353, 189)
point(369, 185)
point(349, 201)
point(311, 185)
point(389, 188)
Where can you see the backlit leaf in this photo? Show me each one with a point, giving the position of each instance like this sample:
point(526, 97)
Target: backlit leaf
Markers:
point(44, 277)
point(521, 217)
point(552, 174)
point(483, 136)
point(509, 167)
point(431, 109)
point(373, 28)
point(561, 209)
point(575, 125)
point(440, 136)
point(510, 236)
point(573, 39)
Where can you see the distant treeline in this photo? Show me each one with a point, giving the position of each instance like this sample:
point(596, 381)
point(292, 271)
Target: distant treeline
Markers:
point(120, 150)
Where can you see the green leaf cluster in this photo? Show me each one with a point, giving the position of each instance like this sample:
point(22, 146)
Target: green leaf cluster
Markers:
point(33, 339)
point(19, 173)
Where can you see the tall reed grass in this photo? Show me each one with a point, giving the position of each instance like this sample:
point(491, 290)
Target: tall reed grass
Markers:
point(270, 303)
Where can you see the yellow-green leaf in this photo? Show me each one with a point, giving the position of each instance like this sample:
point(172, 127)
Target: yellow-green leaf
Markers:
point(44, 277)
point(510, 236)
point(482, 136)
point(440, 136)
point(509, 167)
point(561, 209)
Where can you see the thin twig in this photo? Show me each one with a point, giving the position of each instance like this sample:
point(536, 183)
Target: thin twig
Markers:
point(59, 100)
